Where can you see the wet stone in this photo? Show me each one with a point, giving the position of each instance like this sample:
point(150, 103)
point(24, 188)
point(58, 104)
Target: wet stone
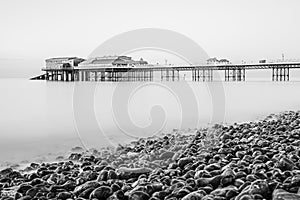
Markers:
point(280, 194)
point(102, 192)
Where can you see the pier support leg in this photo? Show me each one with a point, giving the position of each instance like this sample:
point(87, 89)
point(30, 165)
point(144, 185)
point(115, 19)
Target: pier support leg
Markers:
point(280, 73)
point(103, 76)
point(193, 75)
point(86, 75)
point(173, 75)
point(76, 77)
point(96, 76)
point(67, 76)
point(82, 75)
point(72, 76)
point(234, 74)
point(167, 75)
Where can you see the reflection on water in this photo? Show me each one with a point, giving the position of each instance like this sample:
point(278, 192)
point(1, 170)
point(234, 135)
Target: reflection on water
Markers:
point(37, 118)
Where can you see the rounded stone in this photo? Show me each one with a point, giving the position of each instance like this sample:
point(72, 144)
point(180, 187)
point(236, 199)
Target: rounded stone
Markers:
point(184, 161)
point(64, 195)
point(102, 192)
point(138, 195)
point(193, 196)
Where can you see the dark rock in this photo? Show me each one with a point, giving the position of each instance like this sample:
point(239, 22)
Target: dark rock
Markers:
point(223, 191)
point(202, 182)
point(51, 195)
point(184, 161)
point(193, 196)
point(86, 193)
point(213, 166)
point(285, 164)
point(101, 193)
point(259, 187)
point(127, 173)
point(6, 171)
point(87, 185)
point(160, 194)
point(64, 195)
point(112, 174)
point(216, 181)
point(280, 194)
point(75, 156)
point(18, 195)
point(103, 175)
point(138, 195)
point(23, 188)
point(240, 174)
point(32, 192)
point(202, 174)
point(115, 187)
point(295, 181)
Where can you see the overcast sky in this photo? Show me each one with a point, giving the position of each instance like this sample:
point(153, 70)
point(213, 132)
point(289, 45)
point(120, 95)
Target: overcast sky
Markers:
point(33, 30)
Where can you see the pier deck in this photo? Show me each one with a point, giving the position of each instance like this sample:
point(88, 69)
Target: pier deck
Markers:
point(233, 72)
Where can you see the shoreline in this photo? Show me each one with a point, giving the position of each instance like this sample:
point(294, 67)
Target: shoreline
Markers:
point(250, 160)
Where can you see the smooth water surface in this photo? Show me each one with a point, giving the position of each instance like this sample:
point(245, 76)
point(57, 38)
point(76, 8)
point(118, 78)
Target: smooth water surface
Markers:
point(41, 119)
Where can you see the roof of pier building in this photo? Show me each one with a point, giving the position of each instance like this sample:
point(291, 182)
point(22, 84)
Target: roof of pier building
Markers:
point(63, 59)
point(109, 61)
point(60, 58)
point(61, 62)
point(223, 60)
point(212, 60)
point(216, 61)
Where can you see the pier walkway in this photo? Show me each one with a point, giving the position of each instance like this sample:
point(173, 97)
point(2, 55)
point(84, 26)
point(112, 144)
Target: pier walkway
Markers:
point(233, 72)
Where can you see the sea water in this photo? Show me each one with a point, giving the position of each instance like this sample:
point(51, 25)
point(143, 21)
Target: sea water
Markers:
point(40, 119)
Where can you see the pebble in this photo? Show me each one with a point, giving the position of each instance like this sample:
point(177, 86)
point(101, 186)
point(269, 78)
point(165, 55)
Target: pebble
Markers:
point(101, 193)
point(280, 194)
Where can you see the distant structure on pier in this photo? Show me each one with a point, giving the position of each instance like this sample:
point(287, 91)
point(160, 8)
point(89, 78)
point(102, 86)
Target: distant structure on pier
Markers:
point(111, 61)
point(215, 61)
point(63, 62)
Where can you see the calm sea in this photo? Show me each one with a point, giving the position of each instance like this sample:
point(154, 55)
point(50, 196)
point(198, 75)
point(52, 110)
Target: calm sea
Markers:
point(40, 120)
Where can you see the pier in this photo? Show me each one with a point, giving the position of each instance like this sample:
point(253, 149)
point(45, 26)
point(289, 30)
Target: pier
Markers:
point(123, 68)
point(233, 72)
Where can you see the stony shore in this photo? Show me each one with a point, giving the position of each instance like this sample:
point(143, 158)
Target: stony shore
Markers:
point(255, 160)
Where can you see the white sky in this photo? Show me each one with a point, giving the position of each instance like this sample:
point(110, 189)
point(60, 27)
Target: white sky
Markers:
point(33, 30)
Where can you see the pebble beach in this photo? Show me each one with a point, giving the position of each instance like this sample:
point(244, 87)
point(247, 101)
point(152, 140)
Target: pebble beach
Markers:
point(245, 161)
